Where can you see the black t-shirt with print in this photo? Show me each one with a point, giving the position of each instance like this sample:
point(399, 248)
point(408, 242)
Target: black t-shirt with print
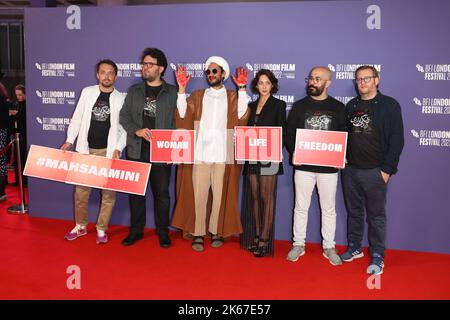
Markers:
point(100, 122)
point(149, 115)
point(364, 146)
point(328, 114)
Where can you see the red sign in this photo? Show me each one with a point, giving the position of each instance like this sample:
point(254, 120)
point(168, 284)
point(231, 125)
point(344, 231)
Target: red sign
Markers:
point(172, 146)
point(87, 170)
point(320, 148)
point(258, 144)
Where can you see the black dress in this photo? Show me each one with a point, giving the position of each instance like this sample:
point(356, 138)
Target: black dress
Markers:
point(273, 114)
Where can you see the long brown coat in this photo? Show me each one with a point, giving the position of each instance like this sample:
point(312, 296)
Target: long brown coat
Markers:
point(229, 214)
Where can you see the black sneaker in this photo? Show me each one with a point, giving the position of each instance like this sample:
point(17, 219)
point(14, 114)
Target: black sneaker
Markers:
point(132, 238)
point(351, 254)
point(164, 240)
point(376, 265)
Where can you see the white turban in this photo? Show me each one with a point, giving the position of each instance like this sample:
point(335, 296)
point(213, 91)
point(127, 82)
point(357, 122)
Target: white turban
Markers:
point(221, 62)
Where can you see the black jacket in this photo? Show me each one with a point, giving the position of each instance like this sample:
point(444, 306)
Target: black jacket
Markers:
point(273, 114)
point(388, 120)
point(131, 113)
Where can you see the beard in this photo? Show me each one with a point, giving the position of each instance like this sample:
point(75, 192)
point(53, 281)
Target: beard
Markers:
point(215, 82)
point(149, 77)
point(107, 84)
point(315, 91)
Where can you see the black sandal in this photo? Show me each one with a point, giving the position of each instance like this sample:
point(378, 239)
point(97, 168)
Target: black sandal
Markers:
point(198, 243)
point(263, 249)
point(216, 241)
point(254, 246)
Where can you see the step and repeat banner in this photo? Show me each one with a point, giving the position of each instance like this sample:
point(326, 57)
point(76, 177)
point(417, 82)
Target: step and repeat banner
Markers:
point(407, 41)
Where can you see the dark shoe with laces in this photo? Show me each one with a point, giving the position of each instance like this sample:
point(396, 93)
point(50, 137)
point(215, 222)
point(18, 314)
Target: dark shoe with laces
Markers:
point(376, 265)
point(132, 238)
point(164, 240)
point(351, 254)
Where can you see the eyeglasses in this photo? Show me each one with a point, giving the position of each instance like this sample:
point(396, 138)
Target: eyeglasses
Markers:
point(313, 79)
point(214, 71)
point(148, 64)
point(365, 79)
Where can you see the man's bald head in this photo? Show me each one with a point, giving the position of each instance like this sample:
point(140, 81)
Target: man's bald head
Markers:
point(325, 72)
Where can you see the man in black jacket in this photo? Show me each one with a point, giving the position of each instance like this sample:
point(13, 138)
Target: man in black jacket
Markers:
point(317, 111)
point(375, 142)
point(149, 105)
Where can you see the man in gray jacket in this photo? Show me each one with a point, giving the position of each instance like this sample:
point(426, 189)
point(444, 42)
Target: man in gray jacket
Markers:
point(149, 105)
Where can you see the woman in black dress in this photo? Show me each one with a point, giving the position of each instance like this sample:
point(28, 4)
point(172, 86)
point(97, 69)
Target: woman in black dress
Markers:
point(260, 179)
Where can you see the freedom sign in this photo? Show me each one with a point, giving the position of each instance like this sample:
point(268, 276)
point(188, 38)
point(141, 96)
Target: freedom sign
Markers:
point(258, 144)
point(87, 170)
point(172, 146)
point(320, 148)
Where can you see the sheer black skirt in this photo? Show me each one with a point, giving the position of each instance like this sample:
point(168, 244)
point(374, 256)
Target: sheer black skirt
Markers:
point(258, 210)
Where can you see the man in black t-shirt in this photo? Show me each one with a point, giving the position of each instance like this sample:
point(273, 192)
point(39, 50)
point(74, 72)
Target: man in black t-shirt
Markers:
point(375, 142)
point(95, 125)
point(149, 105)
point(100, 122)
point(317, 111)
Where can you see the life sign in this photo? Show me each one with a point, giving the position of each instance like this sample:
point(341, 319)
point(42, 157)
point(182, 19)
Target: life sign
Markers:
point(320, 148)
point(172, 146)
point(87, 170)
point(258, 144)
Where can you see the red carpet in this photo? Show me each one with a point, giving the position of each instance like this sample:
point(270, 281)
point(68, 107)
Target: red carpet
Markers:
point(35, 259)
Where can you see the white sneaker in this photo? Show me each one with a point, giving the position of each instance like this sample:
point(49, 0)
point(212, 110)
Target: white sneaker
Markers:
point(295, 253)
point(332, 256)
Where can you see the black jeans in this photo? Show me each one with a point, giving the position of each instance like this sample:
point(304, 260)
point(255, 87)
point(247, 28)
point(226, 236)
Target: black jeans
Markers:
point(159, 182)
point(365, 191)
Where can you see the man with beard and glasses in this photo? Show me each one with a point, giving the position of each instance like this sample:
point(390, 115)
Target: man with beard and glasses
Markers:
point(213, 113)
point(375, 142)
point(95, 125)
point(317, 111)
point(149, 105)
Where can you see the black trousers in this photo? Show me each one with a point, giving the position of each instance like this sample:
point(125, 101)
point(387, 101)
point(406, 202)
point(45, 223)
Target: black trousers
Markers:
point(159, 182)
point(365, 192)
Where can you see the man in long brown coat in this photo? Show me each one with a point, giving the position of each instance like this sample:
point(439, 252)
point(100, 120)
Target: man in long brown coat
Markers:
point(213, 113)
